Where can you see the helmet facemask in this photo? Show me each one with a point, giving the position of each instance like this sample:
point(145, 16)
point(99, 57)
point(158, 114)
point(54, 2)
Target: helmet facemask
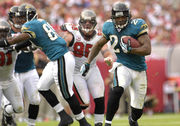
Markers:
point(87, 22)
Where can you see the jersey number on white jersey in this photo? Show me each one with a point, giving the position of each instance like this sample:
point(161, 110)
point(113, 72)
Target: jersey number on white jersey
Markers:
point(5, 59)
point(81, 50)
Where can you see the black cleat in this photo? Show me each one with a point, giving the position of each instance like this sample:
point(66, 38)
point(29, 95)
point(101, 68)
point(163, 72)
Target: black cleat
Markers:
point(66, 120)
point(8, 120)
point(106, 124)
point(98, 124)
point(132, 123)
point(83, 122)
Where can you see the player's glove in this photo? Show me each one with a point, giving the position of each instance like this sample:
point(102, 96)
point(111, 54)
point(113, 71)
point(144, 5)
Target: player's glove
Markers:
point(63, 27)
point(84, 69)
point(126, 47)
point(4, 43)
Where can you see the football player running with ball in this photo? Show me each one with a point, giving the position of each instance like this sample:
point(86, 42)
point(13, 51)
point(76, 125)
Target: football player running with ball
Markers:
point(130, 67)
point(44, 36)
point(81, 39)
point(8, 83)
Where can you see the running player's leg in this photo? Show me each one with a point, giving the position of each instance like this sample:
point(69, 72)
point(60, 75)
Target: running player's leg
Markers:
point(45, 81)
point(30, 85)
point(137, 93)
point(63, 75)
point(96, 87)
point(122, 80)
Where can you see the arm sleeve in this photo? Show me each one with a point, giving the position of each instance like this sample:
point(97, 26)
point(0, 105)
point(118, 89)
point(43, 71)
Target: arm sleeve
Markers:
point(22, 45)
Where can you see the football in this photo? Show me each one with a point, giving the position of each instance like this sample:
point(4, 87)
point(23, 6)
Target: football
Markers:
point(133, 42)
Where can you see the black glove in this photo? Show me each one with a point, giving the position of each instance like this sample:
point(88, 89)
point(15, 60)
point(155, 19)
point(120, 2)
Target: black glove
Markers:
point(4, 43)
point(63, 27)
point(84, 69)
point(18, 47)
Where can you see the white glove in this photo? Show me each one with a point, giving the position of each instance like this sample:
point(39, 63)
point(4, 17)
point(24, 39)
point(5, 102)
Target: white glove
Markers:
point(126, 47)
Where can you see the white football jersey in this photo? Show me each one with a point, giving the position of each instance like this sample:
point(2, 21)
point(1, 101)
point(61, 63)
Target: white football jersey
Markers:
point(7, 63)
point(81, 47)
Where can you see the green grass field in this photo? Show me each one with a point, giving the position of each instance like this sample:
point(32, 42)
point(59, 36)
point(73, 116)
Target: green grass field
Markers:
point(154, 120)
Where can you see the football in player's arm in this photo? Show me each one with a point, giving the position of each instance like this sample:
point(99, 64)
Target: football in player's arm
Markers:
point(130, 67)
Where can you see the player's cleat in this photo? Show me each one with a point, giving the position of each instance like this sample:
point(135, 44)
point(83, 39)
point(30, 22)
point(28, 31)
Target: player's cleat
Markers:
point(98, 124)
point(106, 124)
point(66, 120)
point(132, 123)
point(8, 120)
point(83, 122)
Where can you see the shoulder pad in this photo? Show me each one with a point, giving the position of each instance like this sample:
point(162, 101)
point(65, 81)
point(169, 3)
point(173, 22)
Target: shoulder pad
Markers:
point(71, 27)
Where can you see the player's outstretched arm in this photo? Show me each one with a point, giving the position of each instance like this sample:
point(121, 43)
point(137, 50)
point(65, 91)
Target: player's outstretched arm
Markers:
point(107, 54)
point(13, 40)
point(96, 48)
point(93, 53)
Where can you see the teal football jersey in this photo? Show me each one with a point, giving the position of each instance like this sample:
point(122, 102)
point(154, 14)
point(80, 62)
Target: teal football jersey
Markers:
point(24, 61)
point(135, 28)
point(45, 37)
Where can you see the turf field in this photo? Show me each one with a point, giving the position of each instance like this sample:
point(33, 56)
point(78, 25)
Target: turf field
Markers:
point(155, 120)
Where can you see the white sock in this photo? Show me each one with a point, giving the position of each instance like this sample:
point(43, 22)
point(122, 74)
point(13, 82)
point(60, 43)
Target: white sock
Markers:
point(98, 118)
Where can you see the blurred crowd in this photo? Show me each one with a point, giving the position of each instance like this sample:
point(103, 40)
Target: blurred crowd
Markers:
point(162, 16)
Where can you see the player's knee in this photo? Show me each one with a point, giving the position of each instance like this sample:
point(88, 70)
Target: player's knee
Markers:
point(99, 105)
point(19, 109)
point(35, 100)
point(42, 87)
point(136, 113)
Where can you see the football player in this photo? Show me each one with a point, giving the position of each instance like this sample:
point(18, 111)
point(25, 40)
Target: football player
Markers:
point(45, 37)
point(8, 83)
point(25, 70)
point(82, 38)
point(130, 67)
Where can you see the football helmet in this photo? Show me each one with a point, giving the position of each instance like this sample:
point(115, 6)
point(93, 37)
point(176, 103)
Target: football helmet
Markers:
point(14, 17)
point(27, 12)
point(87, 22)
point(120, 15)
point(4, 29)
